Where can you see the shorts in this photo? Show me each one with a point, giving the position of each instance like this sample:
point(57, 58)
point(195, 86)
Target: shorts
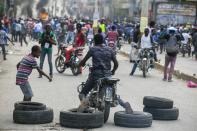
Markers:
point(26, 89)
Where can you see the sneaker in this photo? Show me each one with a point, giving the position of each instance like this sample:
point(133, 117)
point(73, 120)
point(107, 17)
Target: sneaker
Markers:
point(131, 74)
point(40, 76)
point(170, 80)
point(51, 76)
point(164, 79)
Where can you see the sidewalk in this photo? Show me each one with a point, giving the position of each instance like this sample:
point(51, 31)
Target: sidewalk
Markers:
point(187, 67)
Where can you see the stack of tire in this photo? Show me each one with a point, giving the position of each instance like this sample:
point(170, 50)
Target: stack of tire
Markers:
point(32, 113)
point(160, 108)
point(86, 120)
point(135, 120)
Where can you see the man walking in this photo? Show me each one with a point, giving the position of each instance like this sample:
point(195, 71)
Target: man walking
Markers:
point(3, 41)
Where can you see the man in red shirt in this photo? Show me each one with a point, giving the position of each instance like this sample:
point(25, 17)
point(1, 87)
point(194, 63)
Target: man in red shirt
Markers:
point(80, 37)
point(112, 35)
point(79, 42)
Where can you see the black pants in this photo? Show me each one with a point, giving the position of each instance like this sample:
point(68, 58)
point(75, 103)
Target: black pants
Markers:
point(23, 38)
point(195, 51)
point(4, 51)
point(18, 36)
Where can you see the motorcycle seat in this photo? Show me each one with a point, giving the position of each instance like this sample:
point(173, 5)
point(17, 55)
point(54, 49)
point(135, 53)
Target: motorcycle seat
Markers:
point(110, 80)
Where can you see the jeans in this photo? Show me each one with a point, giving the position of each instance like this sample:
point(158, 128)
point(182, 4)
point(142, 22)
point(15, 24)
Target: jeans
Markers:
point(92, 80)
point(3, 51)
point(26, 89)
point(70, 37)
point(169, 60)
point(47, 52)
point(134, 67)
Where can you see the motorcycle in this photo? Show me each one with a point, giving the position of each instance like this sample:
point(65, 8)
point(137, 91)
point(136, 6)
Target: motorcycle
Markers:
point(113, 46)
point(90, 42)
point(103, 96)
point(185, 48)
point(146, 60)
point(60, 62)
point(119, 41)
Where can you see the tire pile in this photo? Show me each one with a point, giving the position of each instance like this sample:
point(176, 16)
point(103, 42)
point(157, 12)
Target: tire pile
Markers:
point(32, 113)
point(155, 108)
point(160, 108)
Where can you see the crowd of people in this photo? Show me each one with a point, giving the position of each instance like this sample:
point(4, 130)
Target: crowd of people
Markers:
point(102, 38)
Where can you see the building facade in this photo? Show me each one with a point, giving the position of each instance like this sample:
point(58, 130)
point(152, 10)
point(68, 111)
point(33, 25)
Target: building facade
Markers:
point(174, 11)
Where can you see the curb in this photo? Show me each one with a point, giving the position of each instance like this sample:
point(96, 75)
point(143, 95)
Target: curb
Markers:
point(177, 73)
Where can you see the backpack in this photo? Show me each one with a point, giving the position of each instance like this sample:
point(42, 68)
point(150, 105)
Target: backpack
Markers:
point(171, 46)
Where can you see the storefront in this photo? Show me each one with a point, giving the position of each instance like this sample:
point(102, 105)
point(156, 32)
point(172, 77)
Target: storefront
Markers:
point(175, 13)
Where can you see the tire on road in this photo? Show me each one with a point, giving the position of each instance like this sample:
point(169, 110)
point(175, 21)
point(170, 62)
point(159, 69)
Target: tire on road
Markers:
point(74, 119)
point(157, 102)
point(163, 114)
point(136, 119)
point(33, 117)
point(29, 106)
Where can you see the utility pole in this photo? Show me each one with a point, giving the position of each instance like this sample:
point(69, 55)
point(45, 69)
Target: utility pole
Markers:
point(5, 7)
point(55, 8)
point(144, 15)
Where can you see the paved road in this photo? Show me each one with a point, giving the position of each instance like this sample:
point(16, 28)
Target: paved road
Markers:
point(184, 64)
point(61, 94)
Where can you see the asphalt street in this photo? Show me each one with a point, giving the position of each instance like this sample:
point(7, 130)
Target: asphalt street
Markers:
point(61, 94)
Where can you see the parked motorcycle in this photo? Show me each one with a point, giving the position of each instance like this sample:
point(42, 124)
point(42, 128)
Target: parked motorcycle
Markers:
point(60, 62)
point(103, 96)
point(146, 61)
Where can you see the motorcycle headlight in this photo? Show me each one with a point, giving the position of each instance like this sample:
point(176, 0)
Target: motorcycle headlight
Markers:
point(108, 94)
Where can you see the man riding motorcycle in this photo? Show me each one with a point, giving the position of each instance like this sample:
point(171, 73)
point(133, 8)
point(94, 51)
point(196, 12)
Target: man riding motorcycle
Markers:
point(101, 60)
point(79, 42)
point(146, 43)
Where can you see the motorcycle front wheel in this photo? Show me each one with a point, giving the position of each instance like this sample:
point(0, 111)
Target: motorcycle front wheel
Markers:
point(144, 70)
point(75, 69)
point(106, 111)
point(60, 64)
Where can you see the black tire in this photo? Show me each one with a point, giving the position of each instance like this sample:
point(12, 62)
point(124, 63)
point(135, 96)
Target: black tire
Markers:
point(157, 102)
point(73, 119)
point(135, 120)
point(75, 70)
point(60, 64)
point(33, 117)
point(144, 71)
point(29, 106)
point(107, 111)
point(163, 114)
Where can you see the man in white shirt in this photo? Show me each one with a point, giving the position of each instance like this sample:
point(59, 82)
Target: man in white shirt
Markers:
point(146, 43)
point(146, 39)
point(186, 37)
